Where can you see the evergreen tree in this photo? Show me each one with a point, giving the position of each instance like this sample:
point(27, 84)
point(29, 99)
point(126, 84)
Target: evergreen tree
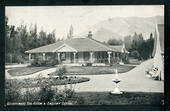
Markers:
point(51, 38)
point(42, 38)
point(18, 40)
point(70, 34)
point(33, 37)
point(128, 42)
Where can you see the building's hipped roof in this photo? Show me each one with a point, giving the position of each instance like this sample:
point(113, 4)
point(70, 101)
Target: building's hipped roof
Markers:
point(159, 33)
point(77, 44)
point(86, 44)
point(47, 48)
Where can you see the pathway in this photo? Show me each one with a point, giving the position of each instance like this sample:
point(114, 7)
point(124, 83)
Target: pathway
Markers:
point(134, 80)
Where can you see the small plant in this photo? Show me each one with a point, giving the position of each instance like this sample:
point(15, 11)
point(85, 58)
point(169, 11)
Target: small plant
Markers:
point(89, 64)
point(31, 96)
point(80, 100)
point(61, 72)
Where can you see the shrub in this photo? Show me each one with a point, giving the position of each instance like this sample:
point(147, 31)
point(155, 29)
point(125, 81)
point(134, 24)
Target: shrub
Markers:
point(126, 61)
point(38, 62)
point(61, 72)
point(46, 94)
point(65, 96)
point(60, 99)
point(12, 92)
point(80, 100)
point(135, 54)
point(14, 58)
point(51, 62)
point(31, 96)
point(69, 94)
point(89, 64)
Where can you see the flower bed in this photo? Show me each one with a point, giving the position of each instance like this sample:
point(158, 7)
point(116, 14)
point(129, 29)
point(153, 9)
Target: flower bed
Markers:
point(52, 81)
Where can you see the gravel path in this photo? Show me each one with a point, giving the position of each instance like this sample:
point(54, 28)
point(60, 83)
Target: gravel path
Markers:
point(134, 80)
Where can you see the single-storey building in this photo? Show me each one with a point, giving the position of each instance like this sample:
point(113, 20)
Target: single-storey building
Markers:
point(80, 50)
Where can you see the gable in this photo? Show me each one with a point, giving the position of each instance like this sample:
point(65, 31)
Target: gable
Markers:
point(65, 48)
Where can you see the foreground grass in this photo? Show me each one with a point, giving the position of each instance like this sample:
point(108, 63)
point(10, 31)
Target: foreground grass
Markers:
point(127, 98)
point(105, 98)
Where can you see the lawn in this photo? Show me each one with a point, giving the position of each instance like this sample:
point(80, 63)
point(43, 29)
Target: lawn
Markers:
point(96, 70)
point(25, 70)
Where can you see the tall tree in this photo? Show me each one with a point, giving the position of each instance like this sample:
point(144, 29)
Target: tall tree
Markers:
point(7, 36)
point(23, 34)
point(134, 41)
point(33, 37)
point(8, 41)
point(128, 42)
point(42, 38)
point(70, 34)
point(51, 38)
point(150, 44)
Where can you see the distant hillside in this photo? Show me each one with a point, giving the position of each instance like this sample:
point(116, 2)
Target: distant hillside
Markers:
point(120, 27)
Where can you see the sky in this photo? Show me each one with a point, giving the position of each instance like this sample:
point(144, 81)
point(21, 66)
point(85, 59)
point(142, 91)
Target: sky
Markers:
point(60, 18)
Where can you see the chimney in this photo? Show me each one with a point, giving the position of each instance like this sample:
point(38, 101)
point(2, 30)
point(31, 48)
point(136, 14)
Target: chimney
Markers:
point(90, 34)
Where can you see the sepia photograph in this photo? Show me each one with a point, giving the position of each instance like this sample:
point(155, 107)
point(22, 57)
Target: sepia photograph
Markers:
point(84, 55)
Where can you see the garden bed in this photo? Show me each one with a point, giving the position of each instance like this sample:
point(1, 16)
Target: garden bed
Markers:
point(52, 81)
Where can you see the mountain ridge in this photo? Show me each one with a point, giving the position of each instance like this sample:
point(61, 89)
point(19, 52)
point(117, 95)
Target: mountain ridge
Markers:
point(119, 27)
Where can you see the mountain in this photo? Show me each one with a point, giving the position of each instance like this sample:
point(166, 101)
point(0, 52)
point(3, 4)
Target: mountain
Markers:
point(106, 33)
point(120, 27)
